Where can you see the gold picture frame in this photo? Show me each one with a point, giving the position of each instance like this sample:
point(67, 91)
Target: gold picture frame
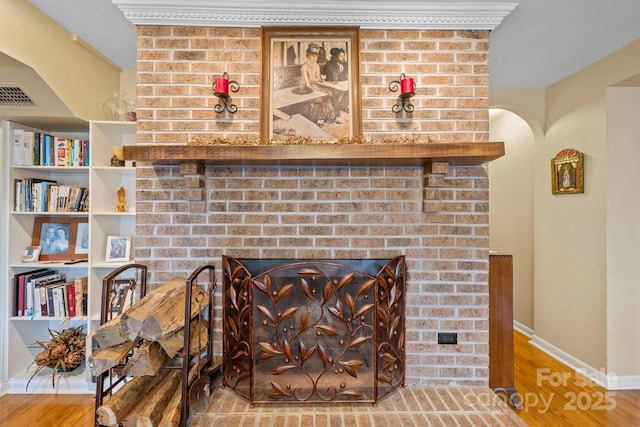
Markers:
point(310, 83)
point(567, 172)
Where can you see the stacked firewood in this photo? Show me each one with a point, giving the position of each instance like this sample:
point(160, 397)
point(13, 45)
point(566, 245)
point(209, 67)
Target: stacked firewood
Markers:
point(146, 344)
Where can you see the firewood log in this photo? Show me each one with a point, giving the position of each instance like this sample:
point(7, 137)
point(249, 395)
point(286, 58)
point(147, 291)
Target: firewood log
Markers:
point(148, 411)
point(167, 316)
point(107, 357)
point(146, 360)
point(133, 318)
point(111, 333)
point(115, 331)
point(156, 401)
point(172, 412)
point(118, 406)
point(199, 339)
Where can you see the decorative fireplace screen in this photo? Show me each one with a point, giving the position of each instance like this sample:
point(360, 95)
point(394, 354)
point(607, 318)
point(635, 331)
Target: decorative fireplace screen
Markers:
point(313, 330)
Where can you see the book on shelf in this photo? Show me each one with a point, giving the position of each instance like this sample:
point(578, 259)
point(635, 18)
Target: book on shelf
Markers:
point(40, 293)
point(20, 285)
point(70, 298)
point(43, 149)
point(81, 287)
point(60, 152)
point(47, 293)
point(43, 195)
point(17, 150)
point(23, 147)
point(57, 301)
point(31, 194)
point(37, 148)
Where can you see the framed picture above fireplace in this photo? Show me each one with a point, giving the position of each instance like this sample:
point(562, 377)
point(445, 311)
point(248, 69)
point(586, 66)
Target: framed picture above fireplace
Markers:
point(310, 81)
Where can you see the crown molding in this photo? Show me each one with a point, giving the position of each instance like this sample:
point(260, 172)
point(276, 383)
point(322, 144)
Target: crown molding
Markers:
point(367, 14)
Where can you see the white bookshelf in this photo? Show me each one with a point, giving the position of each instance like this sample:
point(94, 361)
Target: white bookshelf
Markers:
point(19, 333)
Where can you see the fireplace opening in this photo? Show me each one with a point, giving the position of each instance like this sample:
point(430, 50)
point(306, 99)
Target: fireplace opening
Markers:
point(313, 330)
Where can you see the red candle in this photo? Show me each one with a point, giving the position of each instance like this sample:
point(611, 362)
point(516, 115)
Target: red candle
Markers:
point(407, 85)
point(222, 85)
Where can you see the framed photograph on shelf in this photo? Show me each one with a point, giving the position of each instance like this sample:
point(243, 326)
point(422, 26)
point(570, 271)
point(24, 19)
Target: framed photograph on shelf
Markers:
point(56, 237)
point(82, 238)
point(118, 249)
point(31, 254)
point(122, 295)
point(310, 81)
point(567, 172)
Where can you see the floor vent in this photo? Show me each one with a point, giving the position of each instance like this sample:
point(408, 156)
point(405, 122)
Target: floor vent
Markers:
point(14, 97)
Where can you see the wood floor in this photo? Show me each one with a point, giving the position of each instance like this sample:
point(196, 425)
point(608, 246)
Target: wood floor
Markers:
point(551, 394)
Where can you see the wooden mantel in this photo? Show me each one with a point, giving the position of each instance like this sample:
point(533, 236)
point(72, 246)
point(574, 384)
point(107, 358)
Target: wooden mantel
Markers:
point(462, 153)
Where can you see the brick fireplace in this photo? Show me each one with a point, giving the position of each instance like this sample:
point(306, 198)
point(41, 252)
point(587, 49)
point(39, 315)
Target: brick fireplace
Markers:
point(190, 213)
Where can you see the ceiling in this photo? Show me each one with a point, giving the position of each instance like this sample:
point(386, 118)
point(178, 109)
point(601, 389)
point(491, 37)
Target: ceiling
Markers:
point(538, 44)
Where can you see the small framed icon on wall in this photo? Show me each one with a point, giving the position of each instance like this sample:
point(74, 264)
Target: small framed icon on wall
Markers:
point(567, 172)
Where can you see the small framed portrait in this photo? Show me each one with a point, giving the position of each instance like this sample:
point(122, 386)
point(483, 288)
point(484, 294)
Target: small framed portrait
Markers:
point(118, 249)
point(310, 80)
point(31, 254)
point(57, 238)
point(82, 238)
point(122, 295)
point(567, 172)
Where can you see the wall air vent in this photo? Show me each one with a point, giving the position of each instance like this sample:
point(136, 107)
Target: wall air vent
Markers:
point(14, 97)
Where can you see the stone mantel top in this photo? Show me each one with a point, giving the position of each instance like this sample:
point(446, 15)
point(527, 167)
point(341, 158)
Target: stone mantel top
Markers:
point(459, 153)
point(368, 14)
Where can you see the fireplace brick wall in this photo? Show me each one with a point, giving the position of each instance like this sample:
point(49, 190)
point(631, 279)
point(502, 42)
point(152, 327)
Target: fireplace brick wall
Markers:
point(328, 212)
point(176, 67)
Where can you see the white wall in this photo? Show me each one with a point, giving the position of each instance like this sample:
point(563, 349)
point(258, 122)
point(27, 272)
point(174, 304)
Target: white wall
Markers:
point(587, 246)
point(623, 230)
point(570, 236)
point(511, 205)
point(3, 248)
point(79, 77)
point(571, 255)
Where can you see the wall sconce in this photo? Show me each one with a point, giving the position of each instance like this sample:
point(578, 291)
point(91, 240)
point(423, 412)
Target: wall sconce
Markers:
point(221, 88)
point(407, 88)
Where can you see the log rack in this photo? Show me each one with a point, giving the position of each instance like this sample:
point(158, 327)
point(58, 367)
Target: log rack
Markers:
point(136, 275)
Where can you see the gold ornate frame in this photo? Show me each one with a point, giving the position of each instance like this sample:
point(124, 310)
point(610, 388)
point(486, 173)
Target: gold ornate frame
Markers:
point(288, 105)
point(567, 172)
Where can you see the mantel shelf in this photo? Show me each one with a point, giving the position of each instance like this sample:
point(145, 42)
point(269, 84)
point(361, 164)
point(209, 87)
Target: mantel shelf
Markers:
point(459, 153)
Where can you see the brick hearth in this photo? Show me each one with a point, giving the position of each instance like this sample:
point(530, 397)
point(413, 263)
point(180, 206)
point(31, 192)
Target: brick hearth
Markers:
point(406, 407)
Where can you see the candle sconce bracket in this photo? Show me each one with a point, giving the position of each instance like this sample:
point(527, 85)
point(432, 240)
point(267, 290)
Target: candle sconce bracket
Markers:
point(407, 88)
point(221, 87)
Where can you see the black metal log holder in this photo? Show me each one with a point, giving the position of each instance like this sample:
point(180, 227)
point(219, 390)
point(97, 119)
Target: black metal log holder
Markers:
point(108, 382)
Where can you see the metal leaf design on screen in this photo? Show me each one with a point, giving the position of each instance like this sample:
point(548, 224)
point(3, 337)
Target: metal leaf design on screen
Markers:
point(314, 331)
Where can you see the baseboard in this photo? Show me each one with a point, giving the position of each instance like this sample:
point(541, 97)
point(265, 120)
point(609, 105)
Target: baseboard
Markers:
point(524, 330)
point(19, 386)
point(598, 376)
point(623, 382)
